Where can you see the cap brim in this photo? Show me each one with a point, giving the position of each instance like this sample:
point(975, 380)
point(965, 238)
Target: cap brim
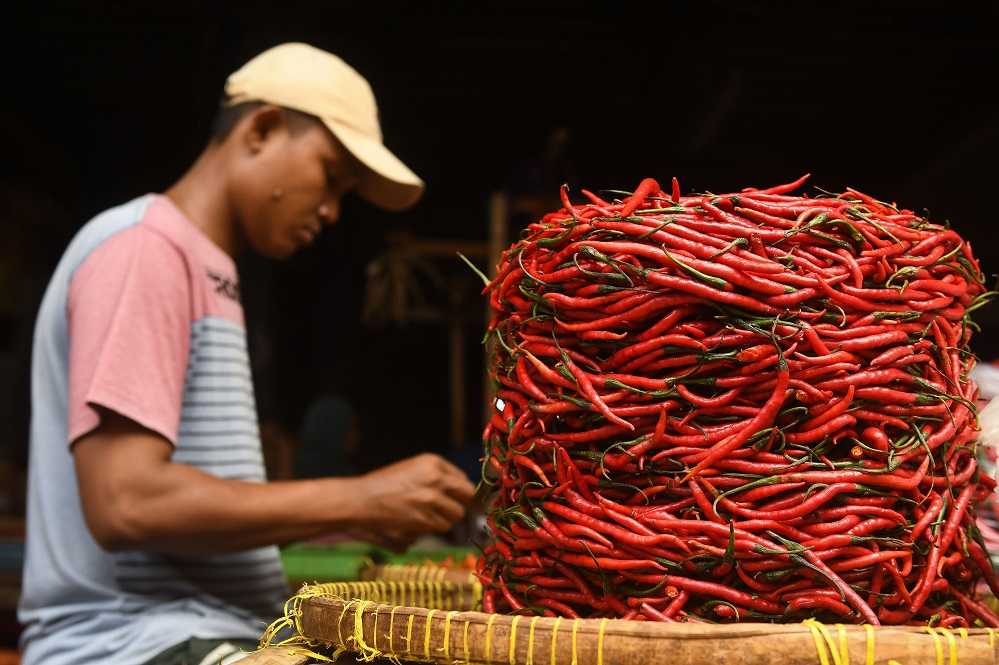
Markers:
point(390, 184)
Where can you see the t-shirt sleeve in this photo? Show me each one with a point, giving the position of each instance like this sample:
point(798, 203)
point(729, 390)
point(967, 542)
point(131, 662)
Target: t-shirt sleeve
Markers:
point(129, 315)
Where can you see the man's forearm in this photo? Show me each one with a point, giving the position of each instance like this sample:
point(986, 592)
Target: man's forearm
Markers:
point(135, 497)
point(183, 510)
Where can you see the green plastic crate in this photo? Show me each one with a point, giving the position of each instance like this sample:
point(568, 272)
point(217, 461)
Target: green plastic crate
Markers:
point(343, 562)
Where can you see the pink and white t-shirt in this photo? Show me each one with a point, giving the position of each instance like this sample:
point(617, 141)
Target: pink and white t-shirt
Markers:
point(142, 317)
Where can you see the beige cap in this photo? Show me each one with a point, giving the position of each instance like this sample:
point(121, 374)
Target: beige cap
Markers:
point(307, 79)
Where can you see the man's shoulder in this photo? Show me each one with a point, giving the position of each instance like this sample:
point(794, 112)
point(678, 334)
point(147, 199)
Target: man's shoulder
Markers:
point(133, 231)
point(111, 227)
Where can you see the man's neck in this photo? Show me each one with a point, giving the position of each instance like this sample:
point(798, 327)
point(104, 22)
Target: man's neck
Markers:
point(201, 195)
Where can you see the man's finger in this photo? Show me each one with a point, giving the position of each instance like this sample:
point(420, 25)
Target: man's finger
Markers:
point(447, 509)
point(459, 488)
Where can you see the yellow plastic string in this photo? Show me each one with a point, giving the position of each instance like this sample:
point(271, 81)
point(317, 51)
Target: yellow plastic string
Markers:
point(963, 632)
point(292, 619)
point(936, 643)
point(530, 641)
point(844, 647)
point(992, 637)
point(409, 635)
point(339, 621)
point(366, 652)
point(447, 636)
point(512, 652)
point(373, 592)
point(558, 620)
point(392, 628)
point(838, 650)
point(575, 629)
point(489, 637)
point(820, 644)
point(600, 642)
point(441, 573)
point(468, 660)
point(476, 593)
point(426, 633)
point(951, 645)
point(869, 629)
point(837, 656)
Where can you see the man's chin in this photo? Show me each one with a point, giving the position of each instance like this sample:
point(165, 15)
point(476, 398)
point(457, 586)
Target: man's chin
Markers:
point(279, 252)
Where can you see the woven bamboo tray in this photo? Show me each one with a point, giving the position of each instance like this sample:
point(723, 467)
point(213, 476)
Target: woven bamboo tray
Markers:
point(435, 622)
point(416, 573)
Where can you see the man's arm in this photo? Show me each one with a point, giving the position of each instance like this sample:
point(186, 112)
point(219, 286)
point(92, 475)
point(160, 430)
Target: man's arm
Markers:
point(135, 497)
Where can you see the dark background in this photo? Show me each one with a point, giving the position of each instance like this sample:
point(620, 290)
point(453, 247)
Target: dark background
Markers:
point(105, 101)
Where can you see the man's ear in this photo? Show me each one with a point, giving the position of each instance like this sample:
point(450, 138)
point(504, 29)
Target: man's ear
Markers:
point(260, 125)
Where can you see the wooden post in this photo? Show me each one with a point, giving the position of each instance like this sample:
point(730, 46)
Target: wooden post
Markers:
point(459, 395)
point(499, 221)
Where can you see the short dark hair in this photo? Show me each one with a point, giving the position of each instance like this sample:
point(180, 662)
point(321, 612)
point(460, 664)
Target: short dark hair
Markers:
point(229, 115)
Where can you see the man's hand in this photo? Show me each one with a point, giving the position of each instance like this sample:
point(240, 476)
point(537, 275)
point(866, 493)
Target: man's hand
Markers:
point(421, 494)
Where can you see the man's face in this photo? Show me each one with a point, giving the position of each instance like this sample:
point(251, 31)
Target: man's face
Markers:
point(289, 184)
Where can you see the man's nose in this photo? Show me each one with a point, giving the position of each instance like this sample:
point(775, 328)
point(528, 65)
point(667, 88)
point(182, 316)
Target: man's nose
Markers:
point(329, 210)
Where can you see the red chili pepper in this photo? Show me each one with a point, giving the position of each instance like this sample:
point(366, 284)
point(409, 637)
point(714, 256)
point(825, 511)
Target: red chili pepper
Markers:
point(803, 507)
point(646, 188)
point(558, 606)
point(655, 614)
point(587, 391)
point(716, 590)
point(984, 564)
point(981, 610)
point(613, 530)
point(626, 319)
point(941, 544)
point(629, 352)
point(821, 603)
point(515, 604)
point(761, 421)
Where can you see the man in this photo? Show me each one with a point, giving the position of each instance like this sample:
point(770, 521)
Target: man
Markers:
point(150, 530)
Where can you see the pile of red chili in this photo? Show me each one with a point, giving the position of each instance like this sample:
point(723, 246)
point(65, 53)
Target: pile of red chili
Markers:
point(735, 407)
